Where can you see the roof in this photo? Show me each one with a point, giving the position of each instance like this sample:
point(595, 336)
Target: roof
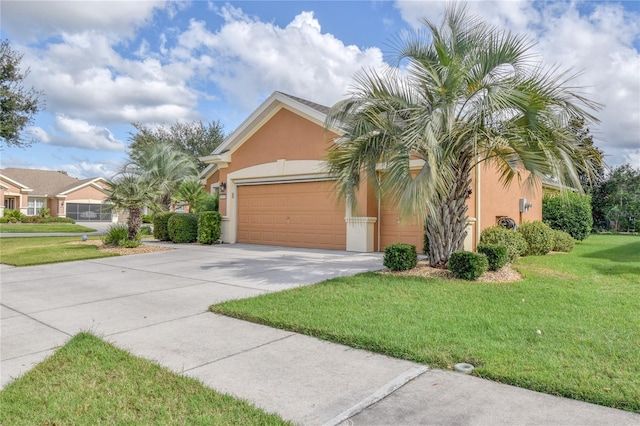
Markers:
point(46, 183)
point(311, 110)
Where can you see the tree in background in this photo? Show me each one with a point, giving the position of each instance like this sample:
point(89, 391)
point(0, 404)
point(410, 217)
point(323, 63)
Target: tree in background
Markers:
point(195, 139)
point(467, 93)
point(18, 105)
point(163, 165)
point(616, 200)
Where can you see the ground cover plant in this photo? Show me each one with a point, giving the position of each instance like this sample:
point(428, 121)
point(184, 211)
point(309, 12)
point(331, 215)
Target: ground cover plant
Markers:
point(26, 251)
point(13, 228)
point(89, 381)
point(585, 304)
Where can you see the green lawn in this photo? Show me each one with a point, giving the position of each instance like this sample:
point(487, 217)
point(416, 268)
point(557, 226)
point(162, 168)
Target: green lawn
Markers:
point(14, 228)
point(90, 382)
point(586, 305)
point(26, 251)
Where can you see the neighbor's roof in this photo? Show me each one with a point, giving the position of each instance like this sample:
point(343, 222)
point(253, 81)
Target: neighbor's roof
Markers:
point(46, 183)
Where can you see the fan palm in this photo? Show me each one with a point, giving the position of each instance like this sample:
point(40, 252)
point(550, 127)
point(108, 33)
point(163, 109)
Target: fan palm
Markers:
point(461, 93)
point(131, 192)
point(191, 191)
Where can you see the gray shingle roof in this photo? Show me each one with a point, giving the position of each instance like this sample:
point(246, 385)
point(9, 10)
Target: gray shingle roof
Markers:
point(43, 182)
point(321, 108)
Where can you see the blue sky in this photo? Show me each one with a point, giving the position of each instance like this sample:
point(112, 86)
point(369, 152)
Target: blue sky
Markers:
point(105, 64)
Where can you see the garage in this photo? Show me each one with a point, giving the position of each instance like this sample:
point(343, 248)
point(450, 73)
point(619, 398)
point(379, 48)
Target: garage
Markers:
point(89, 212)
point(300, 214)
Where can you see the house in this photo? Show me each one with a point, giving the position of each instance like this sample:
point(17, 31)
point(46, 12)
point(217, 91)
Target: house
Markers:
point(30, 190)
point(274, 188)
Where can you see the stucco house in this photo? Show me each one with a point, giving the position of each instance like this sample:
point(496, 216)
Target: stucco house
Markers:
point(30, 190)
point(274, 188)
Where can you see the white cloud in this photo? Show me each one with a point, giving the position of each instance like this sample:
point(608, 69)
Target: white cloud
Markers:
point(80, 134)
point(85, 169)
point(248, 59)
point(33, 19)
point(601, 44)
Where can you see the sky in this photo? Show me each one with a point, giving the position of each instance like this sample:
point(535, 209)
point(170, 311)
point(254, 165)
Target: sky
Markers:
point(103, 65)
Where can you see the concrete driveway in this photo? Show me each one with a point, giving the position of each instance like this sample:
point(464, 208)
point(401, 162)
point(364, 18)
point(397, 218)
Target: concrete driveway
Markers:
point(155, 306)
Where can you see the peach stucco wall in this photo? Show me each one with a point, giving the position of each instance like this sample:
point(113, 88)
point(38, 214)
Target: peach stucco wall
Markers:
point(498, 200)
point(87, 193)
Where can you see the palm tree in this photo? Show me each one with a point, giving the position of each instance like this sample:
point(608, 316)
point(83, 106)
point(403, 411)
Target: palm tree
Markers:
point(191, 191)
point(164, 165)
point(131, 192)
point(461, 93)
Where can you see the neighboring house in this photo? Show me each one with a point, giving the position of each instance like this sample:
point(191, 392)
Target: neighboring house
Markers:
point(274, 188)
point(30, 190)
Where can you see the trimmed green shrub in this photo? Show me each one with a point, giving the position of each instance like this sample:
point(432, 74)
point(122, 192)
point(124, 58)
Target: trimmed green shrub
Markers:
point(539, 237)
point(208, 203)
point(496, 255)
point(515, 244)
point(147, 218)
point(400, 257)
point(468, 265)
point(209, 227)
point(131, 243)
point(562, 241)
point(161, 226)
point(115, 233)
point(4, 219)
point(571, 214)
point(183, 228)
point(31, 219)
point(45, 212)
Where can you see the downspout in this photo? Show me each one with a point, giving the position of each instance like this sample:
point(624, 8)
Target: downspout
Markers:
point(478, 214)
point(379, 224)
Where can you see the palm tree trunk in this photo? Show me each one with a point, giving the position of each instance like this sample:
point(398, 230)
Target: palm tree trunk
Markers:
point(134, 222)
point(447, 226)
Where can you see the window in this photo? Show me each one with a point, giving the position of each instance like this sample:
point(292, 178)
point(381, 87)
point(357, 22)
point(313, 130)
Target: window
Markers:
point(214, 189)
point(34, 205)
point(10, 203)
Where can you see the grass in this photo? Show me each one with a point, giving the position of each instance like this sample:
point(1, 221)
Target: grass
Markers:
point(586, 305)
point(13, 228)
point(28, 251)
point(89, 382)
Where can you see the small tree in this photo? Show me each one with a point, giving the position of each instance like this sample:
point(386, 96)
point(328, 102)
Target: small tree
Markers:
point(191, 192)
point(131, 192)
point(571, 214)
point(18, 105)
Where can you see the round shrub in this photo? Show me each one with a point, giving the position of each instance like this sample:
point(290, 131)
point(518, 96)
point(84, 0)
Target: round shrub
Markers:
point(400, 257)
point(539, 237)
point(161, 226)
point(209, 227)
point(515, 244)
point(468, 265)
point(183, 228)
point(571, 214)
point(496, 255)
point(562, 241)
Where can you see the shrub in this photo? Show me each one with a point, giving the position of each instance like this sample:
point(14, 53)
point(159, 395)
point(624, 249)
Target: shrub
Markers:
point(115, 234)
point(468, 265)
point(145, 230)
point(31, 219)
point(13, 216)
point(539, 237)
point(496, 255)
point(45, 212)
point(515, 244)
point(562, 241)
point(4, 219)
point(571, 214)
point(400, 257)
point(209, 227)
point(130, 243)
point(208, 203)
point(161, 226)
point(183, 228)
point(57, 220)
point(147, 218)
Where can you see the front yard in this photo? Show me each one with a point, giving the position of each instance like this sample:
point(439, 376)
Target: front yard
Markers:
point(15, 228)
point(570, 328)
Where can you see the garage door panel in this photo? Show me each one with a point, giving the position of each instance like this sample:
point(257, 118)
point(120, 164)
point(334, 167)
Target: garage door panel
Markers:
point(303, 214)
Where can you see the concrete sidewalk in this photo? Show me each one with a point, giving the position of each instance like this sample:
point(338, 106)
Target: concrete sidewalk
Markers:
point(155, 305)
